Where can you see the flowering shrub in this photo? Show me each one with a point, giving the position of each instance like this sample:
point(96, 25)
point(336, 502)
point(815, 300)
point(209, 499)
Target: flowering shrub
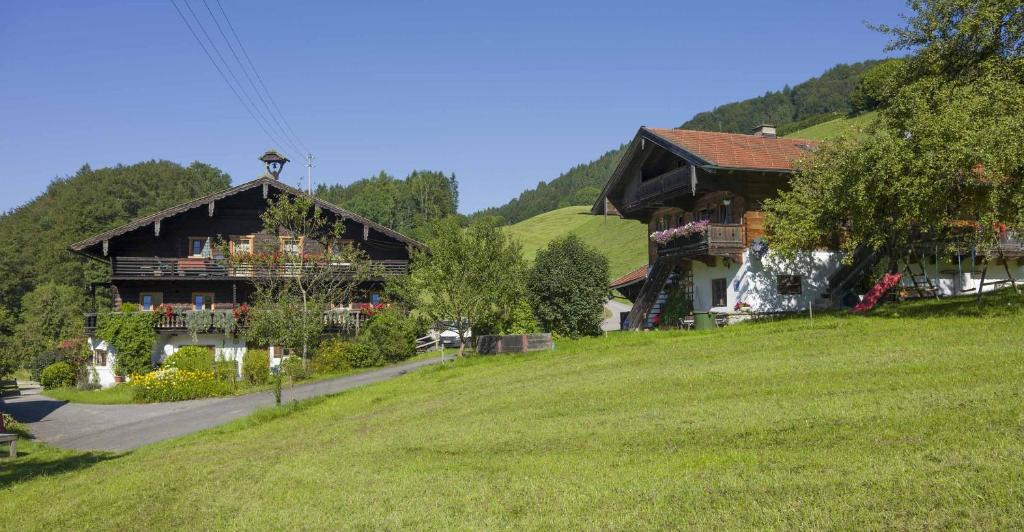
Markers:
point(698, 227)
point(173, 384)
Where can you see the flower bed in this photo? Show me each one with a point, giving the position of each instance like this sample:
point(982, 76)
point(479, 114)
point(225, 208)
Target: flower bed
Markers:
point(698, 227)
point(173, 384)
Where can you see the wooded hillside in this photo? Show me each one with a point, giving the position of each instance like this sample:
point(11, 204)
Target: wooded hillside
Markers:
point(816, 100)
point(35, 236)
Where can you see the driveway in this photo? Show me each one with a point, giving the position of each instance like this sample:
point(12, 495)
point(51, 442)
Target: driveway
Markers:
point(125, 427)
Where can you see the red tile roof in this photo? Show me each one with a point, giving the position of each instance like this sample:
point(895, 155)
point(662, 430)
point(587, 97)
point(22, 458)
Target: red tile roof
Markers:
point(638, 274)
point(733, 150)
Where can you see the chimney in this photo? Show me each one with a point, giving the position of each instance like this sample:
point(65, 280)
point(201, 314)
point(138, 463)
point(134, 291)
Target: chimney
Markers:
point(765, 130)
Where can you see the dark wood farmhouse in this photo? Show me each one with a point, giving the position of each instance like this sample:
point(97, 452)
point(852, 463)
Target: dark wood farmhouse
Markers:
point(170, 259)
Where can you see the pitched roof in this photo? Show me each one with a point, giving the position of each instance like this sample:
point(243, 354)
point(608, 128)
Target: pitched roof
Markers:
point(264, 180)
point(638, 274)
point(733, 150)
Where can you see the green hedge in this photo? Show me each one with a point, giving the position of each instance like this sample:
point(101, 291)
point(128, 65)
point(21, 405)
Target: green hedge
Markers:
point(57, 375)
point(191, 357)
point(256, 366)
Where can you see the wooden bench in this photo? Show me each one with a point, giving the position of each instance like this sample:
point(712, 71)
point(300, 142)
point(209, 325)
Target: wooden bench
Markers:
point(12, 440)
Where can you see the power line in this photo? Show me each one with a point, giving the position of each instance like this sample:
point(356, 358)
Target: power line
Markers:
point(252, 114)
point(259, 77)
point(245, 71)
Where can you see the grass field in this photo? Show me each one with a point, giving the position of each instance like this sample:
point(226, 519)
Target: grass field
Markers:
point(115, 395)
point(910, 418)
point(624, 242)
point(833, 128)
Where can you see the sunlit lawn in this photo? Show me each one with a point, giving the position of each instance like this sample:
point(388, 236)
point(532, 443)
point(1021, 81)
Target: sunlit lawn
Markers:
point(915, 421)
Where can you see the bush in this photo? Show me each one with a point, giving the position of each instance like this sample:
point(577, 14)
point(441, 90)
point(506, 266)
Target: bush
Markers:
point(174, 384)
point(390, 335)
point(41, 361)
point(226, 370)
point(256, 366)
point(132, 336)
point(332, 357)
point(57, 375)
point(567, 286)
point(293, 367)
point(191, 357)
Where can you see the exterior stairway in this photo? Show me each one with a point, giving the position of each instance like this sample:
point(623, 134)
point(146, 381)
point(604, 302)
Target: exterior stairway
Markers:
point(651, 291)
point(655, 312)
point(848, 275)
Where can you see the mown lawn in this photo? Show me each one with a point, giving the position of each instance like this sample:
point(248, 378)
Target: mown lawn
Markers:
point(910, 418)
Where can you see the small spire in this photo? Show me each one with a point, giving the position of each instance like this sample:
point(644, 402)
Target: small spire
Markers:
point(274, 163)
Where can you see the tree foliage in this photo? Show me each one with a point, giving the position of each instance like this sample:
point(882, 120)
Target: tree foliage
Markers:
point(50, 313)
point(567, 287)
point(945, 148)
point(810, 102)
point(133, 338)
point(35, 236)
point(407, 205)
point(470, 276)
point(294, 288)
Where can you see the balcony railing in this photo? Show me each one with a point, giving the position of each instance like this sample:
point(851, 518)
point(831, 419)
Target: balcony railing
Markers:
point(719, 239)
point(659, 186)
point(1011, 244)
point(341, 320)
point(209, 268)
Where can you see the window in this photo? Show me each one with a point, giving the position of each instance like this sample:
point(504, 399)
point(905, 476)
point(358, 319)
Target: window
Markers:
point(241, 244)
point(197, 246)
point(789, 285)
point(150, 300)
point(291, 245)
point(99, 357)
point(202, 300)
point(719, 292)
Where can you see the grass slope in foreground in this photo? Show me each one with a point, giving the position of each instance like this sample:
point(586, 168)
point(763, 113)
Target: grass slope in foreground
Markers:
point(624, 242)
point(910, 418)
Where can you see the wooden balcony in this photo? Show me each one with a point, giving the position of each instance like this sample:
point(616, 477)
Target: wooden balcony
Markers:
point(173, 268)
point(659, 187)
point(718, 240)
point(335, 321)
point(1012, 245)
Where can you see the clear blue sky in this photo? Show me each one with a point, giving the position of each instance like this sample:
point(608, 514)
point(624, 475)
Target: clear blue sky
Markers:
point(503, 94)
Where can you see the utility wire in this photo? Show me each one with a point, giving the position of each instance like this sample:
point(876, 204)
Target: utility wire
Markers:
point(259, 77)
point(245, 71)
point(220, 71)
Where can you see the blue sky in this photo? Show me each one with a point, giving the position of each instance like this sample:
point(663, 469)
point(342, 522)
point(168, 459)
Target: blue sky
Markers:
point(503, 94)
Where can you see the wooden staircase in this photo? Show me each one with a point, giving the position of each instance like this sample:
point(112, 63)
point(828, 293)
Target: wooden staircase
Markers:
point(651, 290)
point(848, 275)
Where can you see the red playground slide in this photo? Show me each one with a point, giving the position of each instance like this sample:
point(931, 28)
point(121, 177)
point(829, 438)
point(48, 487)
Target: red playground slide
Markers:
point(871, 298)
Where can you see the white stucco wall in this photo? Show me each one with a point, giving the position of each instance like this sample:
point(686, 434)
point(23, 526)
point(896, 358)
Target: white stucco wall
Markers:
point(225, 348)
point(754, 282)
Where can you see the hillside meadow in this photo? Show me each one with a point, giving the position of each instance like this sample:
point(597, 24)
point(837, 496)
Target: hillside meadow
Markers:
point(908, 418)
point(624, 242)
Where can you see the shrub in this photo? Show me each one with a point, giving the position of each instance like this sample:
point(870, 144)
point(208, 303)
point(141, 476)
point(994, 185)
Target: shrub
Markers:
point(362, 355)
point(567, 286)
point(391, 335)
point(332, 357)
point(174, 384)
point(192, 357)
point(293, 368)
point(57, 375)
point(41, 361)
point(132, 336)
point(226, 370)
point(256, 366)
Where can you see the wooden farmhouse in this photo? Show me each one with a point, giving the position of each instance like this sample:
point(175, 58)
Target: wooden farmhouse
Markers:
point(701, 194)
point(173, 261)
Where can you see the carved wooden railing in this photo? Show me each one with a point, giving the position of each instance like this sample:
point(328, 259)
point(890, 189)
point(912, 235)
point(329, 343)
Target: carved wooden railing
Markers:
point(719, 238)
point(210, 268)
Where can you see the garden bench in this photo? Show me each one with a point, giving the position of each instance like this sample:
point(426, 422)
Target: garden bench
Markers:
point(12, 440)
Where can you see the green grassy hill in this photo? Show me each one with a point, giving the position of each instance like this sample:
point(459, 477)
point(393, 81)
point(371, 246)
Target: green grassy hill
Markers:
point(833, 128)
point(840, 422)
point(624, 242)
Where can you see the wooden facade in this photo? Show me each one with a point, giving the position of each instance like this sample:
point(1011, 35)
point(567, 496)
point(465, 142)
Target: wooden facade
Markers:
point(176, 257)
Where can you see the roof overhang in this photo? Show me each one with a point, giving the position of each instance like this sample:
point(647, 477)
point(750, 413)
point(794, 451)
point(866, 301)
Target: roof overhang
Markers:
point(83, 246)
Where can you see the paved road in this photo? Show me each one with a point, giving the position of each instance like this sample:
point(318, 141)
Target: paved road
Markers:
point(615, 306)
point(125, 427)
